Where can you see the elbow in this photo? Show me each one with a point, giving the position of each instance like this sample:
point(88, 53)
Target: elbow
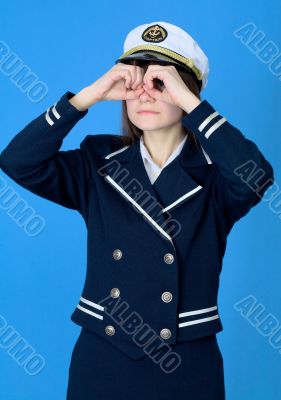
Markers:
point(4, 162)
point(262, 180)
point(267, 180)
point(8, 164)
point(254, 177)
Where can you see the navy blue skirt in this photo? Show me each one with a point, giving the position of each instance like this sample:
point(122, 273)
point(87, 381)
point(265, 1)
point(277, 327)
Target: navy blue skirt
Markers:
point(99, 371)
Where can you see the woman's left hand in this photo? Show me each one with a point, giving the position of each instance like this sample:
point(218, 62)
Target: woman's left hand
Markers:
point(174, 90)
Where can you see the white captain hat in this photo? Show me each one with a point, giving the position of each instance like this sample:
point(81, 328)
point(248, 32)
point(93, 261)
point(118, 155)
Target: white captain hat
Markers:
point(162, 41)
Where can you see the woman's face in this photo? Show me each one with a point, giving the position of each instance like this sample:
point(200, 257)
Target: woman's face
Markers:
point(165, 116)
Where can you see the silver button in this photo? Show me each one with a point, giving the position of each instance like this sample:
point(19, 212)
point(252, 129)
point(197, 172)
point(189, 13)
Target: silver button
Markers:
point(110, 330)
point(117, 254)
point(168, 258)
point(115, 292)
point(165, 333)
point(167, 297)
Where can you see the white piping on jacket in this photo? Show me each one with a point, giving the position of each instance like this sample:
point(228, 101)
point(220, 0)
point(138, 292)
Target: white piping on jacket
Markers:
point(89, 312)
point(213, 127)
point(55, 112)
point(198, 321)
point(182, 198)
point(144, 213)
point(91, 303)
point(196, 312)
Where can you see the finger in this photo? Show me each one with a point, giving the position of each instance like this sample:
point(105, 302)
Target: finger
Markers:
point(136, 76)
point(136, 83)
point(129, 74)
point(141, 75)
point(152, 74)
point(148, 78)
point(139, 78)
point(123, 74)
point(134, 94)
point(132, 71)
point(131, 79)
point(154, 93)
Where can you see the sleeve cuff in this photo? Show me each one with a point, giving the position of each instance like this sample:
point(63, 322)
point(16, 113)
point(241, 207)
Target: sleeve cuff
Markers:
point(63, 108)
point(203, 119)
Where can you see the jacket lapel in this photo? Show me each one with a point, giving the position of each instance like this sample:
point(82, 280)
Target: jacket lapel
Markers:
point(124, 170)
point(175, 186)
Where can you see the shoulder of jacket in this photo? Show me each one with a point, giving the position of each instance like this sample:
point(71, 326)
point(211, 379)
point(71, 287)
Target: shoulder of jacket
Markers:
point(99, 145)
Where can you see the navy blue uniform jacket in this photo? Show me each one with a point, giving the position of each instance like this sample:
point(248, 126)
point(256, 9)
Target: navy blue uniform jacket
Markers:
point(154, 251)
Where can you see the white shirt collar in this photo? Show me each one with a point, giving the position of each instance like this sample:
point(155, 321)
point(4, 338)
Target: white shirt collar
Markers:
point(146, 155)
point(153, 170)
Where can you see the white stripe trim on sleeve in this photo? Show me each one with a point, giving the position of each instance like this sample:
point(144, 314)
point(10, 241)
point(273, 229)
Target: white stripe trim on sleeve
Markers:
point(50, 122)
point(207, 120)
point(214, 127)
point(54, 110)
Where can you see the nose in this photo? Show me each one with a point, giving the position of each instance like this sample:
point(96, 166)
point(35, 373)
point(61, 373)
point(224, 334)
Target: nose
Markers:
point(144, 97)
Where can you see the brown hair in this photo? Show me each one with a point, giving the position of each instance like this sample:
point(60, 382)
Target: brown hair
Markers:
point(129, 130)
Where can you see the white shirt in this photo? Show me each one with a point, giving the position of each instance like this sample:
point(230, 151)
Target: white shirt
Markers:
point(153, 170)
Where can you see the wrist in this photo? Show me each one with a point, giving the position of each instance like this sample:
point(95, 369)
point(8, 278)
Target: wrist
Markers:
point(190, 102)
point(84, 99)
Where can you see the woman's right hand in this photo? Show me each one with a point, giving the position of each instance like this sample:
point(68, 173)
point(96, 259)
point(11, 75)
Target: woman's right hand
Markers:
point(121, 82)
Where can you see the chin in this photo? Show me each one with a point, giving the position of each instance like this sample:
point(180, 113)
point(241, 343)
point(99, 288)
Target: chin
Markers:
point(148, 127)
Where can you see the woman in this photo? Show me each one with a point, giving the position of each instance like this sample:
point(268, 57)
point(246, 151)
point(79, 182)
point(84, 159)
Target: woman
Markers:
point(158, 203)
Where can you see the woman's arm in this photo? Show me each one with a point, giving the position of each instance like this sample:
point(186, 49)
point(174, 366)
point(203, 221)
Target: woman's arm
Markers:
point(33, 160)
point(243, 173)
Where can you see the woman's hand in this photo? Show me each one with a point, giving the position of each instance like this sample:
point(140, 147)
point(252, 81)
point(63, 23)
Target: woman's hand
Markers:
point(173, 90)
point(121, 82)
point(129, 82)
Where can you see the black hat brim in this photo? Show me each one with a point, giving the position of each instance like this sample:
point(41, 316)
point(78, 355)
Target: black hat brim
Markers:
point(159, 57)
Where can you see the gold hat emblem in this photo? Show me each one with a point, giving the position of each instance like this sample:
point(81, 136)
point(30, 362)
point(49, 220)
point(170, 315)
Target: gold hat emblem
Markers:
point(155, 34)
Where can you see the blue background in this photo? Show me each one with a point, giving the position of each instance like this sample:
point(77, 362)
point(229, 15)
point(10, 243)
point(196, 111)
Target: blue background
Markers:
point(69, 45)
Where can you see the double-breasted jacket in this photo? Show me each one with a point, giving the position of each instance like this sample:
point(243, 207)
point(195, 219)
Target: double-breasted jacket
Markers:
point(154, 252)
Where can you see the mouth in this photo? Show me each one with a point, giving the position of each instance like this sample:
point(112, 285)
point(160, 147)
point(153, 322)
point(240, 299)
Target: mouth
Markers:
point(147, 112)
